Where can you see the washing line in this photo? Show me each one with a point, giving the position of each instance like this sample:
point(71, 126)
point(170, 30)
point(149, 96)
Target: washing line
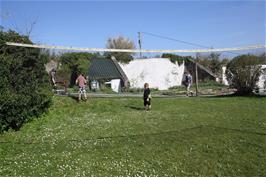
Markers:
point(251, 47)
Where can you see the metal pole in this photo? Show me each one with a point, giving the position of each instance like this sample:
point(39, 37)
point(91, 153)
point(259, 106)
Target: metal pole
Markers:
point(139, 36)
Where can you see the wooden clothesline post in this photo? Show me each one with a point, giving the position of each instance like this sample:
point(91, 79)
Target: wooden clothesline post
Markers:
point(196, 79)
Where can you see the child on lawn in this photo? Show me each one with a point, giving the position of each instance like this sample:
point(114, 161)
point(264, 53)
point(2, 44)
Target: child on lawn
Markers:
point(147, 97)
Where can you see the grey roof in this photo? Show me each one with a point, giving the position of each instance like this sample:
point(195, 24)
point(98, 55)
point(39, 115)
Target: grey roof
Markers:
point(105, 68)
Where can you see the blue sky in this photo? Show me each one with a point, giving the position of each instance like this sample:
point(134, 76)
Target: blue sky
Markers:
point(90, 23)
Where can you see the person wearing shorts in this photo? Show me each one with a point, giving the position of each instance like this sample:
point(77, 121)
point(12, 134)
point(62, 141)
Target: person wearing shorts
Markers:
point(81, 81)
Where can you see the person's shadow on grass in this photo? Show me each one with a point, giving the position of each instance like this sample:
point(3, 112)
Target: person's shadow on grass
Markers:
point(135, 108)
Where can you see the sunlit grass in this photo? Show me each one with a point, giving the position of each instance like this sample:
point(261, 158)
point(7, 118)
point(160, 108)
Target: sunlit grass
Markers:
point(115, 137)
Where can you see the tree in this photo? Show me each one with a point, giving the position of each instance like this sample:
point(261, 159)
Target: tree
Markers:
point(215, 63)
point(224, 62)
point(262, 57)
point(243, 73)
point(25, 90)
point(176, 58)
point(74, 63)
point(120, 42)
point(212, 62)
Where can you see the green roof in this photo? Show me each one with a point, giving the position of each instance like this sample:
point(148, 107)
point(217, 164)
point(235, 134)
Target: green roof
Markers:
point(104, 68)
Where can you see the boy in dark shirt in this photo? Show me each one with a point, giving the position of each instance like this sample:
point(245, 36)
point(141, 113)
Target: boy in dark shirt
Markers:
point(147, 97)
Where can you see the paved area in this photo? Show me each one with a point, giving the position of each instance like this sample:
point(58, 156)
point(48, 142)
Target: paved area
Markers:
point(125, 95)
point(122, 95)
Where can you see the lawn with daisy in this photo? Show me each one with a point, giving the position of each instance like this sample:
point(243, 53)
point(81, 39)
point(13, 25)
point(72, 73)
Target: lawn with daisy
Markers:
point(186, 136)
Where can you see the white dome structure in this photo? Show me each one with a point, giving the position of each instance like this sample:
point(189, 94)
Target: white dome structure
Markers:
point(160, 73)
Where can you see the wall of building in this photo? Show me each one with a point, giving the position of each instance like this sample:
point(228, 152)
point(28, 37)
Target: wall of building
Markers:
point(224, 79)
point(262, 79)
point(160, 73)
point(115, 85)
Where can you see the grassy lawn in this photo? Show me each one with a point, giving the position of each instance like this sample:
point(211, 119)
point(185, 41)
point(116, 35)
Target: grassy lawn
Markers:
point(223, 136)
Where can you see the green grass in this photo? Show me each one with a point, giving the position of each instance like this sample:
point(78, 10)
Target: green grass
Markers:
point(223, 136)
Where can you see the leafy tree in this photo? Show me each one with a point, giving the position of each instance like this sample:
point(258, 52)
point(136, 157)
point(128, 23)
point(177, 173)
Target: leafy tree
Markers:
point(120, 42)
point(224, 62)
point(203, 60)
point(215, 63)
point(176, 58)
point(74, 63)
point(24, 84)
point(212, 62)
point(243, 73)
point(262, 57)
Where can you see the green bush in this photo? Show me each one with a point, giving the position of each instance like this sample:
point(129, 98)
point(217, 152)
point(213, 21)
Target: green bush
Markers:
point(73, 64)
point(210, 84)
point(243, 73)
point(24, 84)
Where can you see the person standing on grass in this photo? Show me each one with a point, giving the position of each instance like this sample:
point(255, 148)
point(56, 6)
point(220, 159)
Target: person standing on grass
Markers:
point(81, 81)
point(147, 97)
point(188, 82)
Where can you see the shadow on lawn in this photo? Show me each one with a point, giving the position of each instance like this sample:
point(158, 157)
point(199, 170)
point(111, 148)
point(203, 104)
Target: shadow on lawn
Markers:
point(236, 96)
point(234, 130)
point(135, 108)
point(200, 130)
point(76, 98)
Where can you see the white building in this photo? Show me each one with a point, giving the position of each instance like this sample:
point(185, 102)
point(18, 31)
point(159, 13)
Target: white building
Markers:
point(224, 79)
point(262, 80)
point(160, 73)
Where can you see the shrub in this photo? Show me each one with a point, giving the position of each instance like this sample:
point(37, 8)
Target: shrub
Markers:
point(243, 73)
point(24, 83)
point(73, 64)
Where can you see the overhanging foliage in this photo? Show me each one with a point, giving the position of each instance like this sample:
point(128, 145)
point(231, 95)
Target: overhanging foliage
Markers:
point(24, 84)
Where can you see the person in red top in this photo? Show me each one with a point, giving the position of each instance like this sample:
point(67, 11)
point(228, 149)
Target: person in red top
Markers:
point(81, 81)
